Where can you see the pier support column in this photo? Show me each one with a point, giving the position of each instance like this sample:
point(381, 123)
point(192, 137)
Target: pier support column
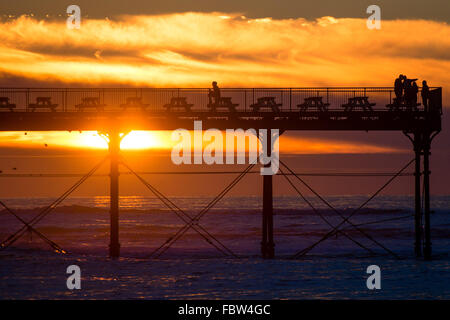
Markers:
point(422, 146)
point(267, 243)
point(114, 149)
point(417, 204)
point(426, 190)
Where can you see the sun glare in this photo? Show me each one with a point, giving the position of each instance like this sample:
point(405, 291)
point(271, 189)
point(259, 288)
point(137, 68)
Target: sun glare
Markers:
point(132, 141)
point(91, 139)
point(142, 140)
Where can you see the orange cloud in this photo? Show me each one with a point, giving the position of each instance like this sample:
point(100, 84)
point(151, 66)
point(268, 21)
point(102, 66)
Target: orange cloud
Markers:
point(162, 140)
point(191, 49)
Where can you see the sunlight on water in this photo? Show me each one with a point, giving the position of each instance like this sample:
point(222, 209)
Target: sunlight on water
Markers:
point(193, 269)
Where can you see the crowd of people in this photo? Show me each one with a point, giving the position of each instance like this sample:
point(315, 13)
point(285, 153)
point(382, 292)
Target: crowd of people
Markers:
point(406, 91)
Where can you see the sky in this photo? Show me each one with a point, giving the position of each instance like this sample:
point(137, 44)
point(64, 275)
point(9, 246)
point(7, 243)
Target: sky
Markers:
point(177, 50)
point(240, 44)
point(437, 10)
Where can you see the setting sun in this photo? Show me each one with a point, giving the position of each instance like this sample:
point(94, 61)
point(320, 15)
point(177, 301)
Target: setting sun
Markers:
point(221, 151)
point(132, 141)
point(88, 139)
point(144, 140)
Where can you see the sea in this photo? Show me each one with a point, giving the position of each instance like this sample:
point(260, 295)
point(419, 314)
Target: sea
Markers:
point(381, 233)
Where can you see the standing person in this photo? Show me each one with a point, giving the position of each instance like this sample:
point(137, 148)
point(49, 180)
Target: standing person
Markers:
point(410, 93)
point(216, 92)
point(407, 88)
point(398, 88)
point(425, 95)
point(414, 92)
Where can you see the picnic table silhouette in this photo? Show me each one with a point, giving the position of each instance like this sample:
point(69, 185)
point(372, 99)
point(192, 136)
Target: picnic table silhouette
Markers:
point(313, 102)
point(43, 103)
point(224, 102)
point(401, 105)
point(89, 103)
point(134, 102)
point(358, 102)
point(266, 103)
point(178, 103)
point(5, 104)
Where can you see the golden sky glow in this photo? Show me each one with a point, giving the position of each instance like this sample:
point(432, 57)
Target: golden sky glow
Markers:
point(87, 139)
point(192, 49)
point(162, 140)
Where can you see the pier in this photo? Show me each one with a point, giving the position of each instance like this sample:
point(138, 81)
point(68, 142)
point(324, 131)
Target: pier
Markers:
point(116, 111)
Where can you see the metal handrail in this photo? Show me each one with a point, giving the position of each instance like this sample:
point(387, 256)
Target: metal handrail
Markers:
point(113, 98)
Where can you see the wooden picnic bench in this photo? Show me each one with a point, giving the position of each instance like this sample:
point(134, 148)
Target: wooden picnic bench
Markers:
point(224, 102)
point(313, 102)
point(178, 103)
point(266, 102)
point(134, 102)
point(43, 103)
point(358, 102)
point(397, 105)
point(89, 103)
point(4, 104)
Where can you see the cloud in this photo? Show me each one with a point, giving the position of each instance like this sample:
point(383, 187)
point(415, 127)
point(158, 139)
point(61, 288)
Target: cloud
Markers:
point(190, 49)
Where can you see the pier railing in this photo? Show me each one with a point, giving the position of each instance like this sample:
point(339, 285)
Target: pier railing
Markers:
point(66, 99)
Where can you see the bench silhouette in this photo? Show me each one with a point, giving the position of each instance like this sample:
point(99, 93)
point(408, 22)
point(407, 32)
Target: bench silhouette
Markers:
point(134, 102)
point(43, 103)
point(4, 104)
point(313, 102)
point(178, 103)
point(89, 103)
point(266, 102)
point(358, 102)
point(397, 105)
point(224, 103)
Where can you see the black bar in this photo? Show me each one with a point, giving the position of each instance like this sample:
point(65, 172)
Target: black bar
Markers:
point(262, 309)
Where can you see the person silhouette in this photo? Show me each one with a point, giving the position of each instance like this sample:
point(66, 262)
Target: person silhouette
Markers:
point(414, 92)
point(398, 88)
point(215, 92)
point(410, 94)
point(425, 95)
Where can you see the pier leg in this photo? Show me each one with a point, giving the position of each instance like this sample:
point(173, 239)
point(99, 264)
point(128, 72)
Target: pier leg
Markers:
point(426, 187)
point(264, 228)
point(418, 209)
point(267, 244)
point(114, 149)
